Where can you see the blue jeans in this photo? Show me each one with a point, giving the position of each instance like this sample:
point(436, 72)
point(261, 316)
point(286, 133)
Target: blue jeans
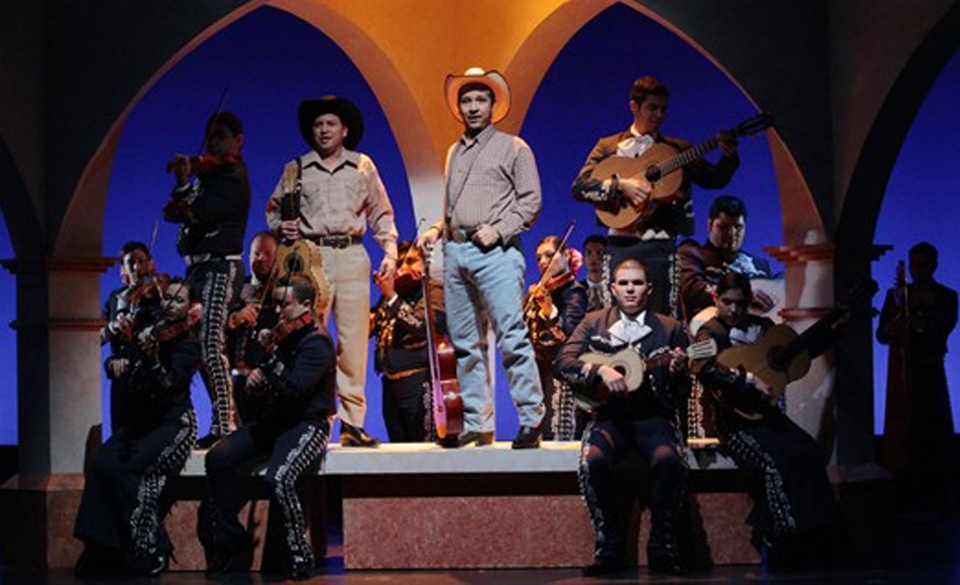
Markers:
point(481, 288)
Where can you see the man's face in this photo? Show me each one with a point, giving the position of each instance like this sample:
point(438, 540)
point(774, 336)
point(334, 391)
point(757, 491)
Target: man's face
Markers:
point(921, 268)
point(263, 251)
point(549, 262)
point(593, 260)
point(328, 134)
point(412, 262)
point(726, 232)
point(733, 307)
point(175, 301)
point(289, 308)
point(648, 116)
point(134, 265)
point(476, 108)
point(630, 288)
point(223, 142)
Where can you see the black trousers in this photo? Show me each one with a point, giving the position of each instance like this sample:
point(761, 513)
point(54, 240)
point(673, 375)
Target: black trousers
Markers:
point(605, 443)
point(407, 408)
point(288, 452)
point(122, 507)
point(218, 284)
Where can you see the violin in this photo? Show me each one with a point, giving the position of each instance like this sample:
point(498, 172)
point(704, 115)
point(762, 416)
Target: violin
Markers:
point(167, 330)
point(269, 338)
point(149, 287)
point(406, 282)
point(204, 163)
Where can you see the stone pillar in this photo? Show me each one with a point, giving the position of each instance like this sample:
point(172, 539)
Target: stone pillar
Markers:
point(58, 404)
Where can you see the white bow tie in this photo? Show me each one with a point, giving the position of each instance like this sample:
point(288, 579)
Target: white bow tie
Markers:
point(634, 146)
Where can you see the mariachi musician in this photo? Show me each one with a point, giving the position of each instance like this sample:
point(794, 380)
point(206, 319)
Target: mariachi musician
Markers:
point(652, 237)
point(642, 419)
point(212, 214)
point(120, 519)
point(252, 313)
point(399, 324)
point(553, 308)
point(296, 381)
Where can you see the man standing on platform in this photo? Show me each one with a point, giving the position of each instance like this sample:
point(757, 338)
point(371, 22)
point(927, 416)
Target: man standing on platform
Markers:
point(492, 194)
point(340, 191)
point(652, 237)
point(212, 214)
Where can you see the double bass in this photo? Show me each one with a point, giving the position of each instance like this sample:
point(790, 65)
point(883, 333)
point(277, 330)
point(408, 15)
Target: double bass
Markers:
point(447, 402)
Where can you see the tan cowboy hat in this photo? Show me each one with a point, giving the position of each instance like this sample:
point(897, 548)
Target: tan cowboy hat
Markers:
point(346, 110)
point(475, 75)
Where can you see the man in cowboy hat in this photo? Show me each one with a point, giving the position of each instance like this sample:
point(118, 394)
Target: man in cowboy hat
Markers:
point(338, 192)
point(492, 194)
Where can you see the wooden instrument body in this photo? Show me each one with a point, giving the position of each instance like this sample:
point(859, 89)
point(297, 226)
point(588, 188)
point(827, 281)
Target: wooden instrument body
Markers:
point(664, 189)
point(302, 256)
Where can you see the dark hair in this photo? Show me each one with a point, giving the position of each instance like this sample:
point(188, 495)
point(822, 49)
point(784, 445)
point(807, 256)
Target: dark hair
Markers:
point(925, 250)
point(192, 294)
point(301, 286)
point(555, 240)
point(134, 245)
point(734, 281)
point(624, 262)
point(476, 85)
point(405, 245)
point(595, 239)
point(729, 204)
point(646, 87)
point(228, 120)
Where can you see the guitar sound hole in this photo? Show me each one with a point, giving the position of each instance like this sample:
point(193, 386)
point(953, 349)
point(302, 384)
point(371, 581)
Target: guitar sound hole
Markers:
point(621, 369)
point(294, 264)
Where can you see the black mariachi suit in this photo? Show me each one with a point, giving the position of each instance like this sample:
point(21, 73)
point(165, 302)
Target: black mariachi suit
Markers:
point(213, 219)
point(547, 335)
point(701, 268)
point(645, 421)
point(401, 357)
point(291, 433)
point(121, 508)
point(673, 218)
point(244, 350)
point(795, 512)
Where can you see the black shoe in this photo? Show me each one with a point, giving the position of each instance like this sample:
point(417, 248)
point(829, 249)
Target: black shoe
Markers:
point(665, 563)
point(481, 438)
point(228, 559)
point(300, 569)
point(148, 566)
point(351, 436)
point(207, 441)
point(604, 566)
point(97, 560)
point(527, 438)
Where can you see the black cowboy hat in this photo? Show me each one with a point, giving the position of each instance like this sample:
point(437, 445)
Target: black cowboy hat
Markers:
point(343, 108)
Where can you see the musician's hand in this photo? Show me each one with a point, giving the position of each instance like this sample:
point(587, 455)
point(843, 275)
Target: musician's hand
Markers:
point(181, 169)
point(385, 282)
point(762, 302)
point(635, 190)
point(388, 267)
point(246, 316)
point(612, 379)
point(122, 325)
point(678, 360)
point(760, 385)
point(428, 239)
point(255, 381)
point(727, 143)
point(148, 343)
point(117, 367)
point(290, 229)
point(486, 236)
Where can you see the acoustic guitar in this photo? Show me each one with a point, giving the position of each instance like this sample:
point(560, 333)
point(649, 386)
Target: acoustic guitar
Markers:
point(633, 366)
point(775, 288)
point(782, 355)
point(662, 166)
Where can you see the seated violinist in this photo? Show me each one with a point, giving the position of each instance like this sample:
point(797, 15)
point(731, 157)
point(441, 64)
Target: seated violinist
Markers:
point(136, 301)
point(248, 316)
point(290, 433)
point(399, 325)
point(553, 308)
point(120, 519)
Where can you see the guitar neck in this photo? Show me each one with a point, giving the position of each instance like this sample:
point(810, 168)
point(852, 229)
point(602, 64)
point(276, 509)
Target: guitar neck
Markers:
point(687, 156)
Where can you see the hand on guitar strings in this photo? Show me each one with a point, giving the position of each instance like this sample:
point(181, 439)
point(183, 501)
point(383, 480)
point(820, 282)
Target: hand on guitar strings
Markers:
point(636, 190)
point(615, 382)
point(678, 360)
point(290, 229)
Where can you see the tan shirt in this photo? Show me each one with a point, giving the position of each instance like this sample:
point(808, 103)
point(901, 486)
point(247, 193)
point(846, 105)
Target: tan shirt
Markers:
point(340, 200)
point(492, 180)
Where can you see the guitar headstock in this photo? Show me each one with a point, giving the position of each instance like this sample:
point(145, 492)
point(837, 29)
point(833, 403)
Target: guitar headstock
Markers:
point(752, 125)
point(702, 349)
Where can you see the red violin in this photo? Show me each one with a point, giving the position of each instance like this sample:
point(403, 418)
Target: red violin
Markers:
point(204, 163)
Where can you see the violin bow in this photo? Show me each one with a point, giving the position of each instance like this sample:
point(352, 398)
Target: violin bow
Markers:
point(560, 248)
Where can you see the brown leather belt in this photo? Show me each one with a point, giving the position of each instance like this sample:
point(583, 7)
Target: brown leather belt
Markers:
point(338, 241)
point(460, 235)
